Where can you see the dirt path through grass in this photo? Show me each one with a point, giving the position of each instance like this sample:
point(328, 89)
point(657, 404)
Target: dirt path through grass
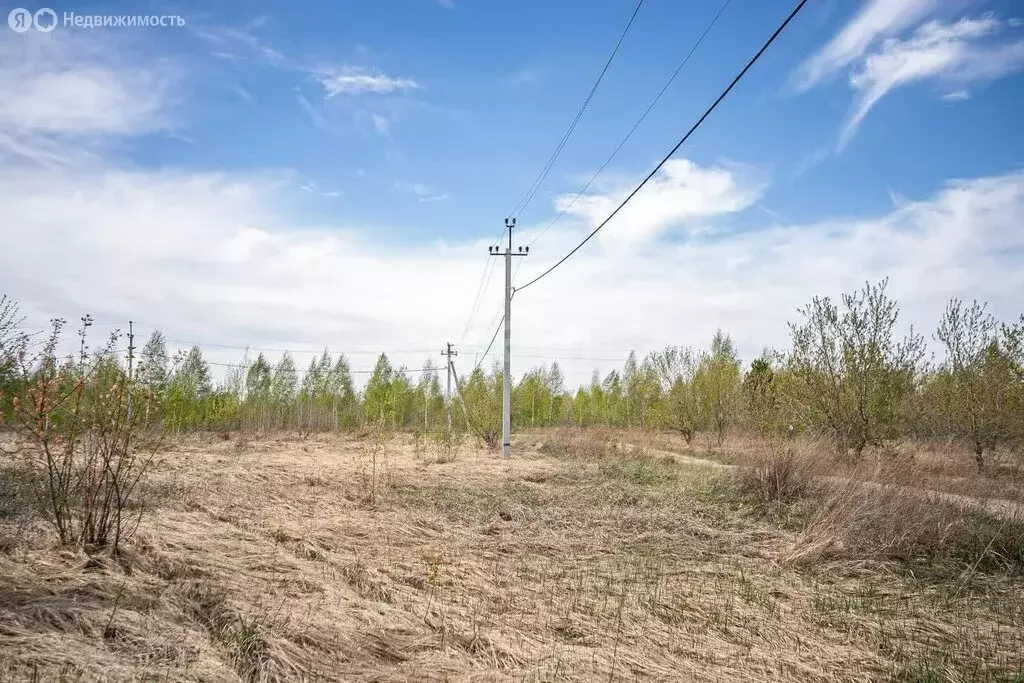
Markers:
point(1005, 509)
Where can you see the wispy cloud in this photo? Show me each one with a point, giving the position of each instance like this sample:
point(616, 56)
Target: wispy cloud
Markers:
point(381, 124)
point(239, 42)
point(951, 53)
point(423, 193)
point(418, 189)
point(240, 90)
point(525, 76)
point(354, 80)
point(875, 20)
point(886, 46)
point(67, 94)
point(352, 97)
point(310, 187)
point(447, 4)
point(314, 114)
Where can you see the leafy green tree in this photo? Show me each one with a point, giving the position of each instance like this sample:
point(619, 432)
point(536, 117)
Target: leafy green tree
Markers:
point(716, 385)
point(283, 393)
point(318, 408)
point(13, 345)
point(850, 375)
point(532, 398)
point(582, 408)
point(343, 394)
point(979, 378)
point(313, 382)
point(154, 364)
point(761, 396)
point(378, 399)
point(615, 401)
point(482, 397)
point(430, 400)
point(1013, 344)
point(257, 380)
point(642, 390)
point(284, 382)
point(404, 398)
point(674, 367)
point(186, 392)
point(680, 409)
point(555, 385)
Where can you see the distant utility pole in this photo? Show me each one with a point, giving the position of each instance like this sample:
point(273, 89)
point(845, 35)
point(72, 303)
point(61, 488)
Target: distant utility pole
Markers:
point(131, 368)
point(506, 417)
point(131, 350)
point(449, 352)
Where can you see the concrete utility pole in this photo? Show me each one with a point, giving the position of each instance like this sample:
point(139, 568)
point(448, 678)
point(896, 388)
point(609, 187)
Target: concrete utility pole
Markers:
point(449, 352)
point(506, 418)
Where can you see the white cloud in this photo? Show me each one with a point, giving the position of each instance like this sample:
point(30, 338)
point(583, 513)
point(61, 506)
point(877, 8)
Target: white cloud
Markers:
point(61, 87)
point(885, 46)
point(219, 257)
point(122, 244)
point(315, 116)
point(447, 4)
point(233, 43)
point(949, 52)
point(353, 80)
point(381, 124)
point(875, 20)
point(681, 193)
point(423, 193)
point(525, 76)
point(310, 187)
point(418, 189)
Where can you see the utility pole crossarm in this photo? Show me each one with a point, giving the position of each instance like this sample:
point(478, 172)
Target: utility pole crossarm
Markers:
point(506, 417)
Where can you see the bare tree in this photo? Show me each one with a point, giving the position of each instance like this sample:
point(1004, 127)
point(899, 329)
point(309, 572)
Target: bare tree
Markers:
point(78, 419)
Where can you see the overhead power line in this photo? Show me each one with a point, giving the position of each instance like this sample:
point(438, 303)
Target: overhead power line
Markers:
point(532, 351)
point(679, 144)
point(497, 329)
point(529, 194)
point(300, 372)
point(497, 318)
point(477, 299)
point(488, 272)
point(636, 125)
point(315, 352)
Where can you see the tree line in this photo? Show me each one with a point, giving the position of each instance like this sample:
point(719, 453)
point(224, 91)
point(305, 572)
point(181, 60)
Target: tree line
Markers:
point(847, 374)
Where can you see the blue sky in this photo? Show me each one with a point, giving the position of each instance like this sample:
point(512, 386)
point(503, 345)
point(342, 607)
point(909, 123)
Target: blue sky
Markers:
point(286, 176)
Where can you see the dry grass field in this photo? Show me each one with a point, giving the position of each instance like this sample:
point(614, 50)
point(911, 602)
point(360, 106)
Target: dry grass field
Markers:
point(586, 557)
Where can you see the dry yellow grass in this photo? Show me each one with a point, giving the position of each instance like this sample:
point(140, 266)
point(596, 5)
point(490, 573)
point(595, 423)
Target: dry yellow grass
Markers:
point(282, 559)
point(941, 467)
